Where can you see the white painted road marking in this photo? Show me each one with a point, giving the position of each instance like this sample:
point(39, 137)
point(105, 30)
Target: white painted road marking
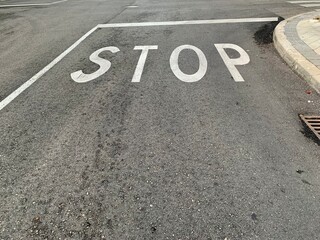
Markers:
point(32, 4)
point(174, 64)
point(132, 6)
point(191, 22)
point(310, 5)
point(142, 60)
point(231, 63)
point(104, 64)
point(32, 80)
point(306, 3)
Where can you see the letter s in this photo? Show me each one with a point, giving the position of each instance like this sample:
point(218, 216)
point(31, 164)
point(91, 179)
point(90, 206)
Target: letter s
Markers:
point(104, 64)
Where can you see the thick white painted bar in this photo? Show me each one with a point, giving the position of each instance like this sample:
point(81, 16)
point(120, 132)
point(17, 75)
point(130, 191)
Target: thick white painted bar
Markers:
point(190, 22)
point(310, 5)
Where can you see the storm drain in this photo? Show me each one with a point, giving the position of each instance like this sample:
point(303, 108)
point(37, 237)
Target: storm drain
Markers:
point(313, 123)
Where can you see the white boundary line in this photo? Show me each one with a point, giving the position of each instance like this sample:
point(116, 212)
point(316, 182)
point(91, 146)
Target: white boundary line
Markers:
point(32, 4)
point(32, 80)
point(193, 22)
point(310, 5)
point(297, 2)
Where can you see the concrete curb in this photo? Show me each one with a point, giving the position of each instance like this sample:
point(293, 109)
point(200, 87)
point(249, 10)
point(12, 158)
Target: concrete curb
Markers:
point(294, 58)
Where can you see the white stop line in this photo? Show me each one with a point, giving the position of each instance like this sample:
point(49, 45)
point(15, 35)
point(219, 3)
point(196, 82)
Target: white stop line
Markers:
point(229, 62)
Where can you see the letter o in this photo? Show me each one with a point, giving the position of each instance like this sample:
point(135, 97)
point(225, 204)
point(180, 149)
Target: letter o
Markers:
point(174, 64)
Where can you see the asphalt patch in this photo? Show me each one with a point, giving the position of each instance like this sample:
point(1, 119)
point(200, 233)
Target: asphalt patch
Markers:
point(265, 33)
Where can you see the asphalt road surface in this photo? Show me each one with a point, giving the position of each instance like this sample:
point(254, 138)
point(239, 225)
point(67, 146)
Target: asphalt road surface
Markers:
point(183, 128)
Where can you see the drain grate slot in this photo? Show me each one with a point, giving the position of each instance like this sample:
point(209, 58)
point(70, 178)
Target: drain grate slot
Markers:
point(313, 123)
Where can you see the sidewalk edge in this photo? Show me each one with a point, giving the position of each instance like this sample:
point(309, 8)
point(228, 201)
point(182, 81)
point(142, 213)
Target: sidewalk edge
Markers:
point(294, 58)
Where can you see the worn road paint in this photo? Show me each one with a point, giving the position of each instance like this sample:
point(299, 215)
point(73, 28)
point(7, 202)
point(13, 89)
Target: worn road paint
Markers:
point(231, 63)
point(104, 64)
point(142, 60)
point(28, 83)
point(191, 22)
point(174, 64)
point(31, 4)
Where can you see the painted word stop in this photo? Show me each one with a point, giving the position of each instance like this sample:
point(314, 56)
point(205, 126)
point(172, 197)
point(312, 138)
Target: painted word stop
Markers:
point(231, 63)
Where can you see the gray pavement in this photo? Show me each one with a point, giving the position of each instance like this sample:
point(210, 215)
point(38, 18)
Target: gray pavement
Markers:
point(160, 158)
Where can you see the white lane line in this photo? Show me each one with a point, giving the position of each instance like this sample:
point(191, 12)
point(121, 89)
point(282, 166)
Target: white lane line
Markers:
point(308, 1)
point(32, 4)
point(310, 5)
point(32, 80)
point(191, 22)
point(133, 6)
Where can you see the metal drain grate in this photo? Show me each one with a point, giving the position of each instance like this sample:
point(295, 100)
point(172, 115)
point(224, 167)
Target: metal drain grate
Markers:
point(313, 122)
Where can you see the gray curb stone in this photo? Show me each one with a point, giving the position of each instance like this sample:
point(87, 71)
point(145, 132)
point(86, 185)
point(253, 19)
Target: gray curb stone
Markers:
point(293, 57)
